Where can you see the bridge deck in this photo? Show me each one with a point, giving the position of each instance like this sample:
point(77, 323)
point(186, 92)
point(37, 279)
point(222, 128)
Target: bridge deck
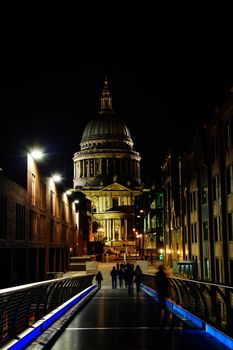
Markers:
point(114, 320)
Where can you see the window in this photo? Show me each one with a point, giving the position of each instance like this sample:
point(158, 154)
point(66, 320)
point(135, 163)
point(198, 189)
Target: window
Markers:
point(185, 234)
point(231, 272)
point(159, 200)
point(184, 207)
point(114, 202)
point(229, 226)
point(42, 196)
point(217, 270)
point(193, 201)
point(206, 268)
point(33, 226)
point(20, 222)
point(3, 204)
point(52, 230)
point(204, 194)
point(216, 189)
point(205, 230)
point(227, 135)
point(228, 180)
point(33, 189)
point(216, 235)
point(42, 232)
point(194, 233)
point(52, 203)
point(63, 210)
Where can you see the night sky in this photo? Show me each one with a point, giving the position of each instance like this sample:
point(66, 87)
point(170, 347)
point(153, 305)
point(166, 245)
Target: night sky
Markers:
point(167, 74)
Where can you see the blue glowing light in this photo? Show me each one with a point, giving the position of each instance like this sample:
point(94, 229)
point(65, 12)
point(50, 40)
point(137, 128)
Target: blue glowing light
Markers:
point(198, 322)
point(220, 336)
point(37, 331)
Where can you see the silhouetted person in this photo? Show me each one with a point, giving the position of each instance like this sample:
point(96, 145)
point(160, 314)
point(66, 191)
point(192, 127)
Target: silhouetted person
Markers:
point(121, 276)
point(138, 278)
point(99, 279)
point(114, 274)
point(162, 288)
point(128, 277)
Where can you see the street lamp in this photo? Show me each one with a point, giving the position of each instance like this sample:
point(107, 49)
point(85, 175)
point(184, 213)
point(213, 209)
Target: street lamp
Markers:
point(37, 154)
point(161, 254)
point(138, 238)
point(56, 178)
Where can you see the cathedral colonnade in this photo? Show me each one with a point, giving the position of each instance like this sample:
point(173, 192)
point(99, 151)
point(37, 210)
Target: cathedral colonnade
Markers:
point(88, 167)
point(114, 228)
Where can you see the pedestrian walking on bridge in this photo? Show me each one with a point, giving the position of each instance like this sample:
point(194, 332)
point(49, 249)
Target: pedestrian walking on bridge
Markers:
point(99, 279)
point(114, 274)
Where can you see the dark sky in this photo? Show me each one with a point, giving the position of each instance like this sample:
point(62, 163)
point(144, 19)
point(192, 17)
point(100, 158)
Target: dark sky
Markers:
point(167, 71)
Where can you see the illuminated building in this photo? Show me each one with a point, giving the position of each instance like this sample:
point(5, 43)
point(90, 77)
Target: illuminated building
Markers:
point(107, 171)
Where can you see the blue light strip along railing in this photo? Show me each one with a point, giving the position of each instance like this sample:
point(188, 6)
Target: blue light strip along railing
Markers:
point(197, 321)
point(29, 335)
point(219, 335)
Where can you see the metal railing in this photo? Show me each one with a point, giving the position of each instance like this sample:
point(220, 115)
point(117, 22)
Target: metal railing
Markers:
point(213, 303)
point(22, 306)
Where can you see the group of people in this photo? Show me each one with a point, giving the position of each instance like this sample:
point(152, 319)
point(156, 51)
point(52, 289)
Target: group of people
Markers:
point(125, 274)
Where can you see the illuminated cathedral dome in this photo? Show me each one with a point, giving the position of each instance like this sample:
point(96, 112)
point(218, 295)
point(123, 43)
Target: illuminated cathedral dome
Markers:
point(106, 129)
point(106, 126)
point(106, 150)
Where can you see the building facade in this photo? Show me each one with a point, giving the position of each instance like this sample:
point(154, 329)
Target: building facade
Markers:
point(149, 211)
point(198, 213)
point(38, 228)
point(107, 171)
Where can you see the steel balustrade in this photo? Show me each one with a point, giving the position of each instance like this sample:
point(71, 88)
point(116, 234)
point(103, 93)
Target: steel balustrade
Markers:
point(213, 303)
point(22, 306)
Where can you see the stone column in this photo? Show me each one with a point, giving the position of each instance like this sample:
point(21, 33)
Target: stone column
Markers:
point(113, 229)
point(100, 167)
point(88, 167)
point(107, 225)
point(106, 229)
point(119, 232)
point(107, 173)
point(84, 168)
point(81, 168)
point(125, 227)
point(78, 169)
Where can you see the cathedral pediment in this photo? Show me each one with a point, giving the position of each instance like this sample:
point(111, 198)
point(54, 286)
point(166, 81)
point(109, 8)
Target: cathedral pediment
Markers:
point(115, 187)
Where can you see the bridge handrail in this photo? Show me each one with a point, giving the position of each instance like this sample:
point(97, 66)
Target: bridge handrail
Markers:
point(22, 306)
point(211, 302)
